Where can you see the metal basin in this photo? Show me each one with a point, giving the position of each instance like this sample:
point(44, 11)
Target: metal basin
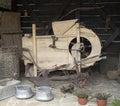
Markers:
point(44, 93)
point(23, 92)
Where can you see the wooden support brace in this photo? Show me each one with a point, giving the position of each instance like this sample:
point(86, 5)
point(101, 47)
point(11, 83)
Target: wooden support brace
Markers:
point(111, 38)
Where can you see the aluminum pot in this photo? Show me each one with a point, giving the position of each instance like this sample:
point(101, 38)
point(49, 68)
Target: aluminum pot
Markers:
point(23, 91)
point(44, 93)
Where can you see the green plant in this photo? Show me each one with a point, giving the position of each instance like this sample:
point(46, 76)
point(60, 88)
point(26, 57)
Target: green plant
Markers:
point(116, 102)
point(103, 96)
point(81, 94)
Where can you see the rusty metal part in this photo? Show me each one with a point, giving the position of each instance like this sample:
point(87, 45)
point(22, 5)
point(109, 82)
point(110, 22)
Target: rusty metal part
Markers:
point(54, 39)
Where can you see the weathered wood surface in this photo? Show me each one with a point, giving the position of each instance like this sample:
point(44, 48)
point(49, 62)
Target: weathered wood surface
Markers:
point(10, 22)
point(49, 57)
point(11, 30)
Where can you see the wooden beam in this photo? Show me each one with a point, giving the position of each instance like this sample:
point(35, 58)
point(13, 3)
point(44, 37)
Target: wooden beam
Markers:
point(111, 38)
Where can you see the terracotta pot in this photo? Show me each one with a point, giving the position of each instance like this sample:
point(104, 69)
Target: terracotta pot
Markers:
point(82, 101)
point(101, 102)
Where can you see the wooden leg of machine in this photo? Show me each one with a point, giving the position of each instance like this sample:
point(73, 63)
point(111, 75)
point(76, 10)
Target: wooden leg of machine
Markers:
point(78, 42)
point(34, 48)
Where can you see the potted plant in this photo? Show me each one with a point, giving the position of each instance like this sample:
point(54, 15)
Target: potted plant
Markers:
point(82, 97)
point(102, 98)
point(116, 102)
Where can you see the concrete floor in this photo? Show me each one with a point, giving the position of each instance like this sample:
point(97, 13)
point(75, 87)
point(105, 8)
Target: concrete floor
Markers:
point(96, 83)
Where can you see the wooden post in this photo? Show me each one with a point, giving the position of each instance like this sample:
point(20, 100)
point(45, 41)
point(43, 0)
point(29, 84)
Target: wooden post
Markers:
point(78, 42)
point(34, 48)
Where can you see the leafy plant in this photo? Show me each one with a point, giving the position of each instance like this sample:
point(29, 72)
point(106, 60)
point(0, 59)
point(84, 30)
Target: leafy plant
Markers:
point(81, 94)
point(103, 96)
point(116, 102)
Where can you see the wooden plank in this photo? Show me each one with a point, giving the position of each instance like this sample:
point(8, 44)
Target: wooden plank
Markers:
point(10, 30)
point(38, 19)
point(99, 1)
point(8, 18)
point(39, 32)
point(102, 31)
point(104, 38)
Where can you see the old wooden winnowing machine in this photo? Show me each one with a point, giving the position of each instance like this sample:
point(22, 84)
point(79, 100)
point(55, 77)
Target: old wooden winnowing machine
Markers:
point(71, 44)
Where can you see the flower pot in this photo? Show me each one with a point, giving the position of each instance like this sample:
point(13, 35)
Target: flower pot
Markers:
point(82, 101)
point(101, 102)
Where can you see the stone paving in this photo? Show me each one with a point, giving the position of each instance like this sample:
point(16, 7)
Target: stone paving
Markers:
point(59, 100)
point(95, 84)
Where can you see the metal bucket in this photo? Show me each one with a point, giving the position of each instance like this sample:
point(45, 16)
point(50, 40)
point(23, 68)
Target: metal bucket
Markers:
point(23, 92)
point(44, 93)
